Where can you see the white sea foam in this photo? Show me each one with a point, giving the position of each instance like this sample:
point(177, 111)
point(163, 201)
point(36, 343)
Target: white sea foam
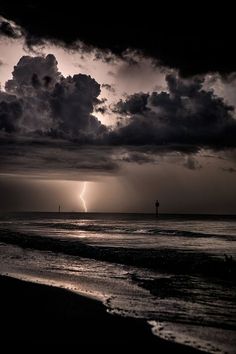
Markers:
point(208, 339)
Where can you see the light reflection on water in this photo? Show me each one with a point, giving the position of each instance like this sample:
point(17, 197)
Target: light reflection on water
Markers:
point(215, 237)
point(191, 309)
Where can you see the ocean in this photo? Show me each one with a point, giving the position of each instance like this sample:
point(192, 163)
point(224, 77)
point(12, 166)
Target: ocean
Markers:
point(177, 271)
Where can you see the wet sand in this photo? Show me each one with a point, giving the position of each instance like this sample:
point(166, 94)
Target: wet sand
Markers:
point(40, 313)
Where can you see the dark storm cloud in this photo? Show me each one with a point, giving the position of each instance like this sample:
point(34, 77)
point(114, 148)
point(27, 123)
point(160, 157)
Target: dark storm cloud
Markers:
point(102, 109)
point(47, 158)
point(192, 39)
point(109, 88)
point(10, 113)
point(46, 119)
point(72, 102)
point(40, 101)
point(9, 29)
point(138, 157)
point(46, 122)
point(136, 103)
point(186, 118)
point(33, 73)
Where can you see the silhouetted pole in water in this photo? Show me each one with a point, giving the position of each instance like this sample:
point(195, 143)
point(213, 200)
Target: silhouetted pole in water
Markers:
point(59, 209)
point(157, 206)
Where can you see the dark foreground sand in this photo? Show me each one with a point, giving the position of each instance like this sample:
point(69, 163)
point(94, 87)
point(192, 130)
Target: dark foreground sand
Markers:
point(40, 313)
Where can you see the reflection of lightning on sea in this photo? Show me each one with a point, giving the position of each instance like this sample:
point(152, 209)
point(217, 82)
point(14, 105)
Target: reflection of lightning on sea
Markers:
point(82, 197)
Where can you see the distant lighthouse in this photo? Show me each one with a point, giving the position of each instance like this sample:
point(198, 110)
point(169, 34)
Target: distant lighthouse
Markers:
point(157, 206)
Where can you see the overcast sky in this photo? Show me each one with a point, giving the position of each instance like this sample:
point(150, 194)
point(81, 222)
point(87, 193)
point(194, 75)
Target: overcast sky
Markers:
point(136, 109)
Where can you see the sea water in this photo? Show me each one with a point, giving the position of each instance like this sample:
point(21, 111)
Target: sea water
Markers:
point(177, 271)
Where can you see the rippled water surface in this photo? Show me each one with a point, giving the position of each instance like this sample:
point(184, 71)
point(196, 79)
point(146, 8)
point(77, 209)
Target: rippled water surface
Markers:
point(177, 272)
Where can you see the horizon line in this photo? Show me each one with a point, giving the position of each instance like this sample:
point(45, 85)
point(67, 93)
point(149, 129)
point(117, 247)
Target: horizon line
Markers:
point(115, 212)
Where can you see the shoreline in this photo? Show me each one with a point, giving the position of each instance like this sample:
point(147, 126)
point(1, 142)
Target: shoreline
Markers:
point(35, 312)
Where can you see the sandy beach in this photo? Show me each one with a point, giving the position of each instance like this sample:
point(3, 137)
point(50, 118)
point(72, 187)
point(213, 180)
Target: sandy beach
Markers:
point(33, 312)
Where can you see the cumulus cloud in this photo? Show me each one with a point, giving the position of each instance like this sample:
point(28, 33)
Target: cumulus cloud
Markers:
point(40, 105)
point(135, 103)
point(73, 101)
point(40, 101)
point(32, 73)
point(187, 118)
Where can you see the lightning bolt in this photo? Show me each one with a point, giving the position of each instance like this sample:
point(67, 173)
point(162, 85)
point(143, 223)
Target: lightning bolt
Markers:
point(82, 197)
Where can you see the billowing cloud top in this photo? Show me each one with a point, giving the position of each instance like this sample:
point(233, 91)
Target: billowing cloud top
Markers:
point(186, 117)
point(41, 102)
point(42, 107)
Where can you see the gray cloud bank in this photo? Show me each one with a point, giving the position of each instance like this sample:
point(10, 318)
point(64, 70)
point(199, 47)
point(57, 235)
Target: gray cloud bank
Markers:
point(41, 107)
point(186, 117)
